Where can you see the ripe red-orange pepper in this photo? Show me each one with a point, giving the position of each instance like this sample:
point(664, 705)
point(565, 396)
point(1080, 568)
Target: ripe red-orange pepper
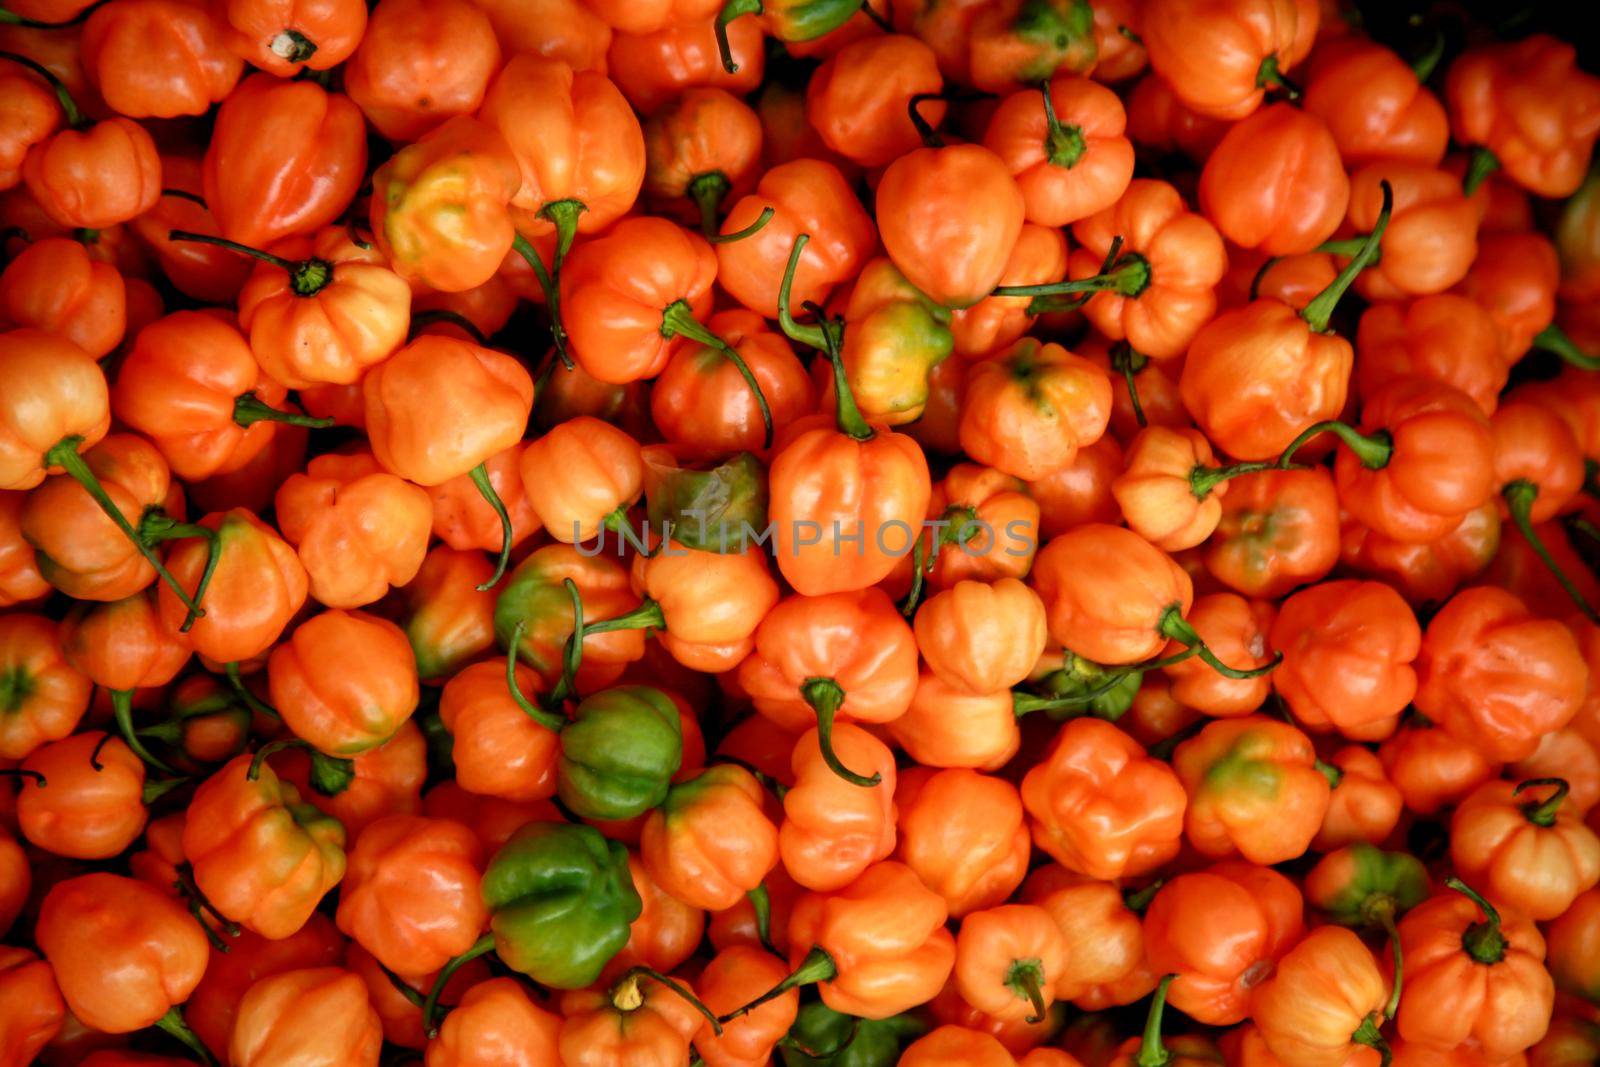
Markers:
point(710, 843)
point(285, 158)
point(1443, 337)
point(495, 1015)
point(1325, 1001)
point(256, 586)
point(158, 58)
point(1287, 205)
point(1533, 855)
point(1069, 154)
point(1376, 106)
point(56, 286)
point(20, 580)
point(979, 637)
point(1278, 530)
point(1364, 805)
point(386, 780)
point(1220, 931)
point(45, 694)
point(1106, 964)
point(499, 750)
point(995, 322)
point(262, 856)
point(1029, 410)
point(700, 149)
point(83, 797)
point(1170, 490)
point(651, 69)
point(984, 526)
point(1431, 239)
point(1221, 56)
point(1009, 960)
point(964, 834)
point(313, 1012)
point(832, 829)
point(419, 65)
point(33, 1011)
point(284, 37)
point(858, 100)
point(723, 986)
point(1253, 789)
point(344, 681)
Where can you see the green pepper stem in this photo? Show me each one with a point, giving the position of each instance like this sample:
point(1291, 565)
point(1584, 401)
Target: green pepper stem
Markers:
point(633, 974)
point(1374, 450)
point(1425, 64)
point(887, 27)
point(811, 336)
point(1554, 339)
point(1482, 941)
point(1344, 246)
point(571, 650)
point(1152, 1052)
point(1130, 363)
point(1519, 496)
point(817, 966)
point(825, 697)
point(156, 525)
point(307, 277)
point(1175, 627)
point(251, 701)
point(1480, 164)
point(172, 1024)
point(157, 788)
point(122, 713)
point(1027, 703)
point(708, 191)
point(548, 719)
point(1543, 813)
point(430, 1007)
point(1128, 276)
point(749, 231)
point(1139, 900)
point(436, 315)
point(1202, 480)
point(1025, 978)
point(480, 480)
point(1064, 144)
point(552, 296)
point(66, 456)
point(914, 596)
point(401, 986)
point(564, 214)
point(930, 136)
point(1317, 313)
point(75, 118)
point(1369, 1035)
point(847, 415)
point(1268, 76)
point(198, 902)
point(249, 410)
point(330, 775)
point(677, 319)
point(647, 616)
point(733, 9)
point(761, 905)
point(1385, 918)
point(1333, 774)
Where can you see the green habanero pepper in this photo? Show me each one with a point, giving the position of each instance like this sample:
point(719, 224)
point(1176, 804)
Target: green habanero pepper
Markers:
point(561, 902)
point(1044, 38)
point(1363, 886)
point(822, 1037)
point(720, 509)
point(785, 20)
point(619, 753)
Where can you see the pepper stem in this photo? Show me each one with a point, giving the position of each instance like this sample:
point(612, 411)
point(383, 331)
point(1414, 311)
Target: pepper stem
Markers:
point(1175, 627)
point(1025, 978)
point(1480, 165)
point(761, 905)
point(156, 525)
point(812, 336)
point(66, 456)
point(677, 319)
point(818, 966)
point(708, 191)
point(825, 697)
point(1202, 480)
point(1026, 703)
point(1139, 900)
point(749, 231)
point(1373, 450)
point(564, 213)
point(122, 713)
point(307, 277)
point(1519, 496)
point(930, 136)
point(1320, 309)
point(173, 1025)
point(1543, 813)
point(1152, 1052)
point(1268, 76)
point(1130, 362)
point(184, 194)
point(1554, 339)
point(430, 1007)
point(552, 296)
point(1385, 917)
point(571, 651)
point(733, 9)
point(1483, 941)
point(914, 595)
point(1425, 64)
point(647, 616)
point(1369, 1035)
point(1128, 275)
point(1064, 145)
point(847, 415)
point(887, 27)
point(1333, 774)
point(292, 46)
point(330, 775)
point(548, 719)
point(251, 701)
point(18, 772)
point(480, 479)
point(155, 789)
point(635, 973)
point(249, 410)
point(69, 108)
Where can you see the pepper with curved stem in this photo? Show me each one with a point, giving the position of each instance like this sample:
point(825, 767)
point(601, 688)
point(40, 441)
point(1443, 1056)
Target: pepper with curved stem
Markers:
point(1483, 941)
point(330, 775)
point(1202, 480)
point(18, 772)
point(1480, 164)
point(196, 902)
point(307, 277)
point(445, 315)
point(707, 192)
point(887, 27)
point(1152, 1052)
point(401, 986)
point(1320, 309)
point(818, 966)
point(761, 906)
point(678, 321)
point(930, 136)
point(625, 995)
point(1025, 978)
point(172, 1024)
point(1127, 361)
point(251, 701)
point(72, 116)
point(430, 1007)
point(1026, 703)
point(552, 295)
point(1543, 812)
point(827, 336)
point(480, 481)
point(548, 719)
point(1175, 627)
point(1268, 76)
point(1554, 339)
point(571, 651)
point(66, 456)
point(749, 231)
point(1519, 496)
point(1064, 143)
point(1126, 274)
point(825, 697)
point(733, 9)
point(1373, 450)
point(122, 713)
point(919, 568)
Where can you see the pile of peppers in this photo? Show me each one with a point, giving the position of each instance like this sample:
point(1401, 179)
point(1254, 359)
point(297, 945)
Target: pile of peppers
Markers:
point(717, 533)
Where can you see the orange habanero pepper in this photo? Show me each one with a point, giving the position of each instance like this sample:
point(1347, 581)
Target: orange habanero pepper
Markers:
point(964, 834)
point(158, 58)
point(1535, 856)
point(1279, 529)
point(1292, 207)
point(84, 797)
point(1432, 236)
point(710, 843)
point(54, 285)
point(702, 148)
point(44, 695)
point(1443, 337)
point(981, 637)
point(1069, 152)
point(1106, 963)
point(1169, 491)
point(1376, 106)
point(284, 37)
point(652, 69)
point(344, 682)
point(1009, 960)
point(1325, 1001)
point(1221, 56)
point(421, 64)
point(496, 1015)
point(832, 830)
point(1027, 411)
point(499, 750)
point(33, 1011)
point(313, 1015)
